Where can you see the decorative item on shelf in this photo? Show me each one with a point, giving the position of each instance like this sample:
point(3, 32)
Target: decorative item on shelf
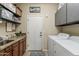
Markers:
point(18, 34)
point(16, 19)
point(8, 27)
point(10, 6)
point(5, 14)
point(34, 9)
point(8, 14)
point(18, 11)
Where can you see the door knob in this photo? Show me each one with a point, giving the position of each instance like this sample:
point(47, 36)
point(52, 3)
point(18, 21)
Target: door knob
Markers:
point(40, 35)
point(40, 32)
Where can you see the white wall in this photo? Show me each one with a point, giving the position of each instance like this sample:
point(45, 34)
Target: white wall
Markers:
point(23, 20)
point(48, 12)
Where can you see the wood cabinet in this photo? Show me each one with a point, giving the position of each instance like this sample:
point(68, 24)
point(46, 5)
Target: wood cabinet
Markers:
point(22, 46)
point(19, 48)
point(16, 49)
point(2, 53)
point(6, 52)
point(9, 51)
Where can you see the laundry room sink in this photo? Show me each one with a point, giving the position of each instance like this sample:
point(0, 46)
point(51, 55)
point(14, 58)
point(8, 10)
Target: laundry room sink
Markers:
point(3, 42)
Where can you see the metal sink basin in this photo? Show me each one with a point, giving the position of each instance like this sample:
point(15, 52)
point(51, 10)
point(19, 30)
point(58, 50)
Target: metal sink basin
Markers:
point(5, 42)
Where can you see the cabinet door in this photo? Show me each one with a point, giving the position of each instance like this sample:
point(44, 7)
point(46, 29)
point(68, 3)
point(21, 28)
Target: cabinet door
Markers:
point(8, 50)
point(2, 53)
point(15, 49)
point(60, 16)
point(21, 47)
point(72, 12)
point(24, 45)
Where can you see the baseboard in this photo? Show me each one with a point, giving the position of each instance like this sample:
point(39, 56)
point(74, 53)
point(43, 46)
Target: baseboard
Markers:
point(45, 51)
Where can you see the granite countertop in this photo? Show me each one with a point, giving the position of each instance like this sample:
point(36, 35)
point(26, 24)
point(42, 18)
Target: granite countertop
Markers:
point(16, 39)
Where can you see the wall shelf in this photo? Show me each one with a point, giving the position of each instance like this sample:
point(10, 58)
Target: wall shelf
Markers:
point(10, 11)
point(9, 20)
point(15, 22)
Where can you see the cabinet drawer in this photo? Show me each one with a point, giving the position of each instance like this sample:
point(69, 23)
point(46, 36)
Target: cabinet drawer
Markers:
point(16, 49)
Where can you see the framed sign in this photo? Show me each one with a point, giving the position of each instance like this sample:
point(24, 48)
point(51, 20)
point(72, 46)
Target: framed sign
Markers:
point(9, 27)
point(34, 9)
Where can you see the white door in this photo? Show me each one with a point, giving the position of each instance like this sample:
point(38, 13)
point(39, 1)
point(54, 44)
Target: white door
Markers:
point(34, 32)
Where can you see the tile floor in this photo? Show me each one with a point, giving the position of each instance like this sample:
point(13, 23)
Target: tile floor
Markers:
point(34, 53)
point(37, 53)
